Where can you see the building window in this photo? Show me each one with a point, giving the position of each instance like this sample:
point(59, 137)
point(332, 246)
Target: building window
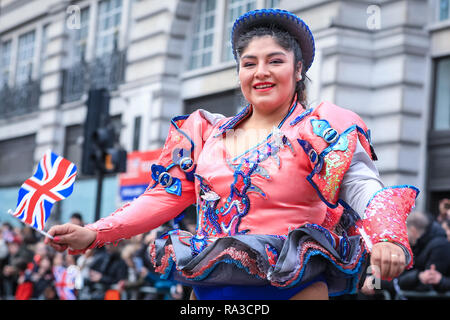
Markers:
point(81, 37)
point(25, 57)
point(137, 133)
point(16, 160)
point(73, 144)
point(273, 3)
point(442, 95)
point(226, 103)
point(109, 17)
point(203, 36)
point(5, 63)
point(235, 9)
point(44, 43)
point(444, 10)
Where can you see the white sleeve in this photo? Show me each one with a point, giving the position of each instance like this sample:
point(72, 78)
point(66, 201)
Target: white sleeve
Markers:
point(360, 182)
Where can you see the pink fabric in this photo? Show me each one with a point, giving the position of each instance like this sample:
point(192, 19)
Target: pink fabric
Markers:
point(386, 216)
point(279, 198)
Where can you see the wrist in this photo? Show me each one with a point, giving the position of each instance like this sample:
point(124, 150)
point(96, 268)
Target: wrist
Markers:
point(93, 237)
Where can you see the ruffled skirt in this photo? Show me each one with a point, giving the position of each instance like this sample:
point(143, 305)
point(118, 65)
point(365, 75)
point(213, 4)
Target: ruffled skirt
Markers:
point(281, 261)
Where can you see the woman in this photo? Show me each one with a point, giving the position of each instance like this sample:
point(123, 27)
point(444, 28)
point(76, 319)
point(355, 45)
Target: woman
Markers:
point(276, 219)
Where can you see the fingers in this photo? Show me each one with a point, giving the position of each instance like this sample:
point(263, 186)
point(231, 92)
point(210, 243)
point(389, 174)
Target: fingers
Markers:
point(61, 231)
point(60, 234)
point(389, 259)
point(398, 264)
point(59, 247)
point(69, 235)
point(385, 268)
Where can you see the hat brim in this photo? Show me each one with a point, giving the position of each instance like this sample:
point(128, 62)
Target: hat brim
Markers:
point(281, 19)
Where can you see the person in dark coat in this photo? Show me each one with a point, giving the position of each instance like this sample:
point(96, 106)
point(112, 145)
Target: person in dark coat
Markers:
point(106, 271)
point(431, 250)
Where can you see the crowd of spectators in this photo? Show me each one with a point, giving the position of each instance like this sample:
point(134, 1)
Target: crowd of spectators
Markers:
point(429, 238)
point(32, 270)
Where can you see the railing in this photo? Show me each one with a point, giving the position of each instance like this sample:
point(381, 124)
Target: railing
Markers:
point(103, 72)
point(20, 99)
point(429, 295)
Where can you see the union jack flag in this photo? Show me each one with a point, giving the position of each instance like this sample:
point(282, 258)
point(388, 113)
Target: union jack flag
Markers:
point(65, 282)
point(52, 181)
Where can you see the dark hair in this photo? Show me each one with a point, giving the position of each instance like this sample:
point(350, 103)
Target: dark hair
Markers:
point(284, 40)
point(77, 215)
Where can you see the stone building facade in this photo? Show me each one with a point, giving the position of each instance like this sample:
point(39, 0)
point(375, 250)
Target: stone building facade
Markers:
point(388, 60)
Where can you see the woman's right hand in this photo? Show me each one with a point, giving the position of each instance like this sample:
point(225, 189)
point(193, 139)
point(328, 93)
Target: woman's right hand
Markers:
point(70, 236)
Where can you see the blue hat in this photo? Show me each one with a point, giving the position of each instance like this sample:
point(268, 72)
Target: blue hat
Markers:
point(282, 19)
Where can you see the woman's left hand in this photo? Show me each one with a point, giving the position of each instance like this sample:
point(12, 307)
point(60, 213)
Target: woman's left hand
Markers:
point(389, 259)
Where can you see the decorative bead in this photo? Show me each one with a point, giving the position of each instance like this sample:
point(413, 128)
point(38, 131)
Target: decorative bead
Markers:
point(186, 164)
point(330, 135)
point(165, 179)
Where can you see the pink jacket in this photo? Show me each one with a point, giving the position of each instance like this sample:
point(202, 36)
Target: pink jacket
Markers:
point(291, 178)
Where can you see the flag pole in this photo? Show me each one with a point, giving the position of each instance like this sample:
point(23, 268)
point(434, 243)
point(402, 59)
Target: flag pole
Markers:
point(38, 230)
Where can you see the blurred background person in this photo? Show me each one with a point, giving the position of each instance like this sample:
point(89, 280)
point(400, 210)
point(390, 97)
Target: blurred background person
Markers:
point(42, 278)
point(445, 224)
point(106, 272)
point(77, 218)
point(137, 272)
point(431, 251)
point(444, 210)
point(14, 264)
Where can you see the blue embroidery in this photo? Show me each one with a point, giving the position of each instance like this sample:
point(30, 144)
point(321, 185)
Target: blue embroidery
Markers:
point(341, 144)
point(179, 157)
point(198, 244)
point(156, 171)
point(324, 231)
point(272, 255)
point(175, 187)
point(171, 184)
point(234, 120)
point(395, 187)
point(319, 126)
point(300, 117)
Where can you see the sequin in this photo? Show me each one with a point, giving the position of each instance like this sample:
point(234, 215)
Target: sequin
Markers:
point(272, 255)
point(386, 215)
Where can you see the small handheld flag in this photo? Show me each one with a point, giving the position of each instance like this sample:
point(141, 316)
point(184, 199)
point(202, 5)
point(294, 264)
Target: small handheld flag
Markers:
point(65, 282)
point(52, 181)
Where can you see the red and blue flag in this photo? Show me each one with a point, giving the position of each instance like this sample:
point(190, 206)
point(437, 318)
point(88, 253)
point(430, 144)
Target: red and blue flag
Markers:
point(52, 181)
point(64, 282)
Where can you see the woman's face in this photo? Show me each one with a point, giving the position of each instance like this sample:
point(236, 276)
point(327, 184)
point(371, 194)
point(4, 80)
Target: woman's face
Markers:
point(267, 74)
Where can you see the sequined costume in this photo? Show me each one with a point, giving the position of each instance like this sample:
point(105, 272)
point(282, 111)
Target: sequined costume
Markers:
point(283, 213)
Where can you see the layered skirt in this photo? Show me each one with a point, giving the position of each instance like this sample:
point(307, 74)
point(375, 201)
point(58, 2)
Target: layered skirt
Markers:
point(284, 262)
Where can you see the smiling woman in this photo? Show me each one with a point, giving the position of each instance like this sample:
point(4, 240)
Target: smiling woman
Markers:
point(286, 49)
point(282, 216)
point(268, 76)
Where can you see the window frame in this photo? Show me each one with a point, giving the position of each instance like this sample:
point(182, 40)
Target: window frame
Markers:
point(5, 69)
point(220, 37)
point(200, 17)
point(227, 55)
point(433, 99)
point(29, 61)
point(78, 41)
point(438, 11)
point(92, 36)
point(114, 31)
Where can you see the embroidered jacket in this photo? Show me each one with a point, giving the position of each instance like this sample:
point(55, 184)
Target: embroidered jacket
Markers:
point(292, 177)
